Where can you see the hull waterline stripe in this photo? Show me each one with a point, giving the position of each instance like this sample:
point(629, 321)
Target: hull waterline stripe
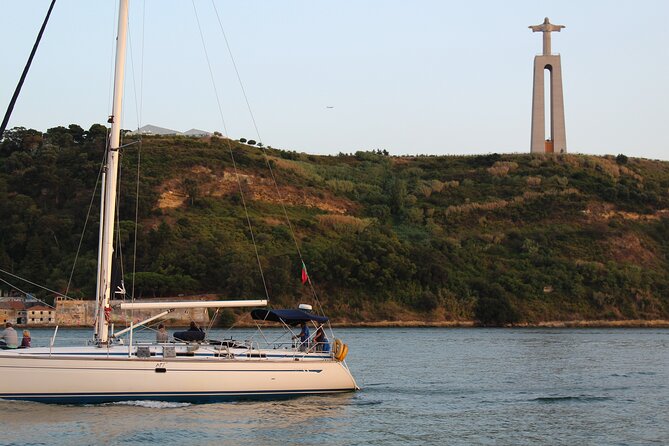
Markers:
point(125, 354)
point(104, 397)
point(171, 370)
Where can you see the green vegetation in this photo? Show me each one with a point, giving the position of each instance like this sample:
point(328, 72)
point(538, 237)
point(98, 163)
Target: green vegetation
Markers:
point(494, 238)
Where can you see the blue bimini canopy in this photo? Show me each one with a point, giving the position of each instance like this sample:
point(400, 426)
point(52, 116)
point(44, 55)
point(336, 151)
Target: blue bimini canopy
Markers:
point(289, 317)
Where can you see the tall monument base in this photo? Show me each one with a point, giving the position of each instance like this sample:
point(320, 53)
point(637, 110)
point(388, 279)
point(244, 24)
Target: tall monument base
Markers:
point(558, 138)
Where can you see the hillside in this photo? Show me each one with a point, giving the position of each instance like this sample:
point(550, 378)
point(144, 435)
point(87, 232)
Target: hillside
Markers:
point(493, 238)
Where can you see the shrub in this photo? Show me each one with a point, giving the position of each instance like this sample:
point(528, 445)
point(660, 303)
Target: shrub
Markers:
point(534, 181)
point(494, 307)
point(496, 311)
point(426, 302)
point(341, 185)
point(344, 223)
point(501, 168)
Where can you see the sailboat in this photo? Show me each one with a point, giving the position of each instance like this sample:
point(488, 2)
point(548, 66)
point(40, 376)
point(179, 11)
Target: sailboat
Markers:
point(109, 369)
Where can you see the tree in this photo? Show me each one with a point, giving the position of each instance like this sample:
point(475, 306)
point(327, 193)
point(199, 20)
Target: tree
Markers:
point(494, 307)
point(78, 134)
point(192, 189)
point(398, 196)
point(20, 139)
point(426, 302)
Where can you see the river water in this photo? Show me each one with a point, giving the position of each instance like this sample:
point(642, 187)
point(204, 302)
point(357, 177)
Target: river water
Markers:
point(420, 386)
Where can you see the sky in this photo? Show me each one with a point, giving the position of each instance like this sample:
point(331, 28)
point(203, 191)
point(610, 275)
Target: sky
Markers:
point(323, 77)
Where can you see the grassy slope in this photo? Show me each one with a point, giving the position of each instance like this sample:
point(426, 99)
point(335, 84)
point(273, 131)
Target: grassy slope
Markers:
point(496, 238)
point(530, 238)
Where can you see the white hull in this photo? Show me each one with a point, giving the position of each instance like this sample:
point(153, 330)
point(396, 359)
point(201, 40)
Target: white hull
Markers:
point(98, 375)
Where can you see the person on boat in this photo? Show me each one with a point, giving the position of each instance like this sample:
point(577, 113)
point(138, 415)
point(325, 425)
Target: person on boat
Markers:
point(194, 327)
point(161, 335)
point(194, 333)
point(8, 337)
point(321, 341)
point(25, 342)
point(304, 337)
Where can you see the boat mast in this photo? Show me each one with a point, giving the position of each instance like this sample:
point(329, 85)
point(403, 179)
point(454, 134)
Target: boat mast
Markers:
point(109, 197)
point(98, 285)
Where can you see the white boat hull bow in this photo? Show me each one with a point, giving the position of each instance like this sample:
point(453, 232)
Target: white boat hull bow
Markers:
point(99, 375)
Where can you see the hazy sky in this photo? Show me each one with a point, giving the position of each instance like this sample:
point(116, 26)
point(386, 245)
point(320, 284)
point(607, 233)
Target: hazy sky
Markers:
point(412, 77)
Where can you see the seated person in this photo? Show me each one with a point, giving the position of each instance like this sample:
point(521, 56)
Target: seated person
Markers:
point(25, 342)
point(194, 333)
point(161, 334)
point(8, 337)
point(194, 327)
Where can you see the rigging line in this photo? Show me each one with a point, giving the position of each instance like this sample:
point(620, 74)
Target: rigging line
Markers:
point(118, 220)
point(264, 151)
point(138, 116)
point(141, 67)
point(22, 79)
point(234, 164)
point(210, 325)
point(134, 82)
point(134, 90)
point(83, 231)
point(134, 249)
point(110, 81)
point(234, 65)
point(13, 286)
point(19, 289)
point(139, 156)
point(211, 72)
point(131, 143)
point(36, 284)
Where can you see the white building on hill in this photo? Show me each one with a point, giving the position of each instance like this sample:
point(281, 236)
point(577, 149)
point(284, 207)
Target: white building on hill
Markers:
point(150, 129)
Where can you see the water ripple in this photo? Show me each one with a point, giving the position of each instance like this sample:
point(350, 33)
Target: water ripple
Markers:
point(578, 399)
point(149, 404)
point(419, 387)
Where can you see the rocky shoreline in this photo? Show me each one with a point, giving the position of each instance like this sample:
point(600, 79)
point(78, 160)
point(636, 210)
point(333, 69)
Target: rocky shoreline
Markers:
point(635, 323)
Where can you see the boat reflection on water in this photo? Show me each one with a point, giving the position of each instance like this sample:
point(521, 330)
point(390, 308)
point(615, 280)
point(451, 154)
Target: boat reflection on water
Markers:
point(138, 422)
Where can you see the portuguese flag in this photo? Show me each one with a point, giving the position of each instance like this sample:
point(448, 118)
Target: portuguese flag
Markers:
point(305, 276)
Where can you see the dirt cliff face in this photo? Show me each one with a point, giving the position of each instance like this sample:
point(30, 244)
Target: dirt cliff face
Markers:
point(175, 192)
point(631, 249)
